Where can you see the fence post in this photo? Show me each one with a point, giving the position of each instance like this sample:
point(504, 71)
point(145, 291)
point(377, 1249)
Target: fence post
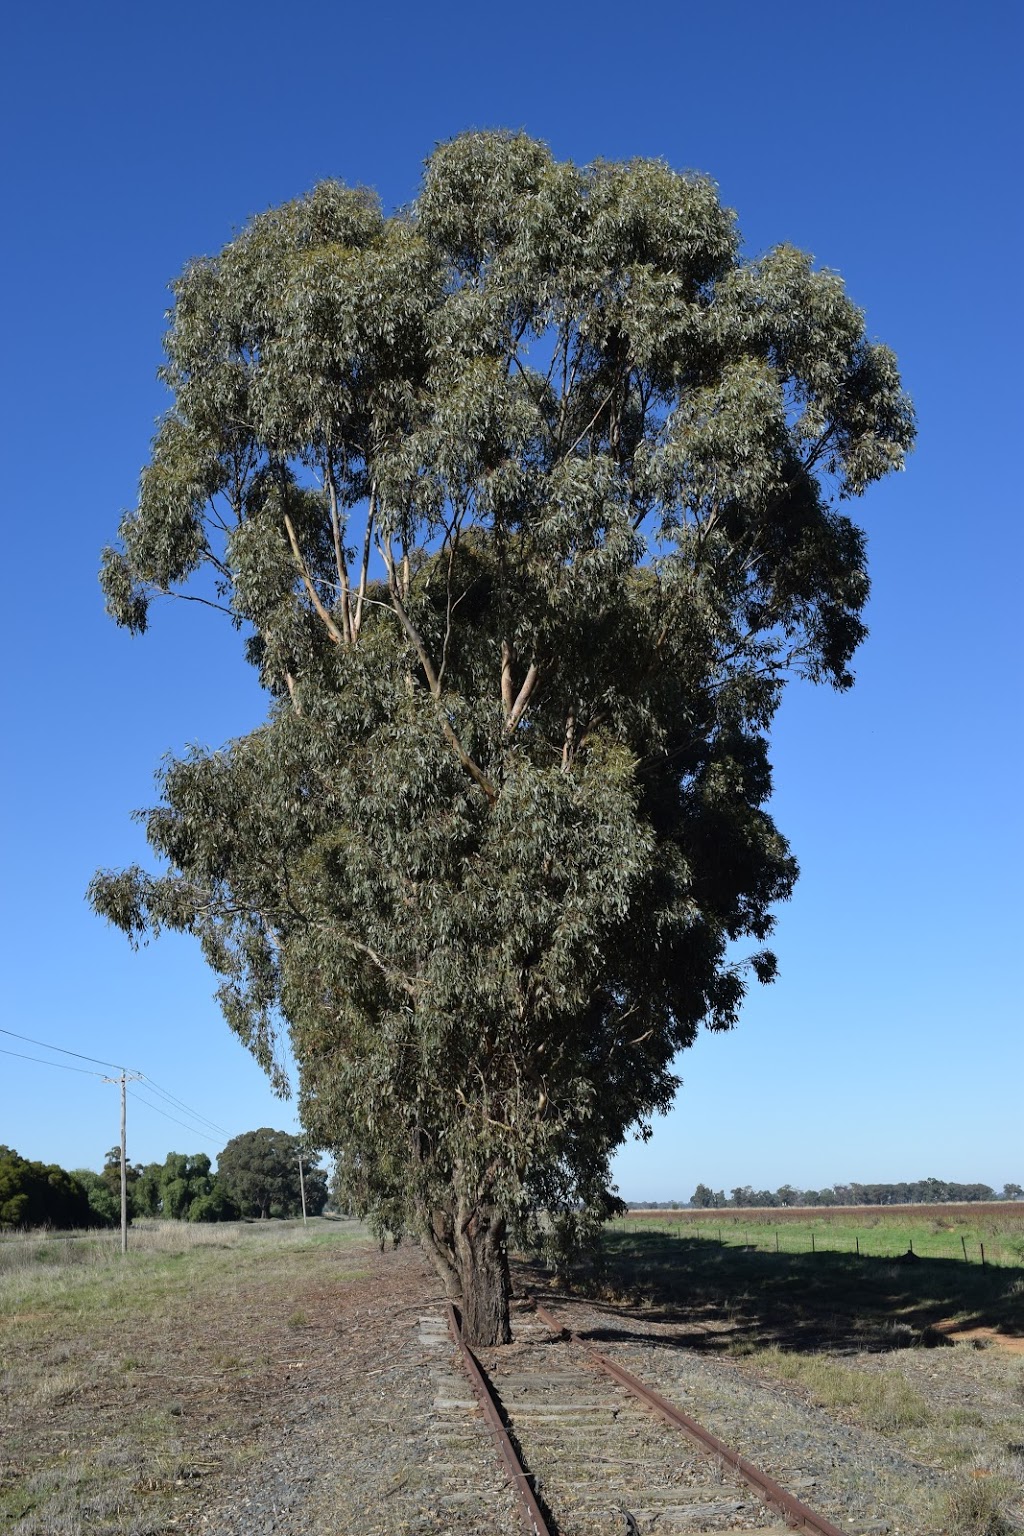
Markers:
point(963, 1245)
point(857, 1241)
point(982, 1247)
point(813, 1250)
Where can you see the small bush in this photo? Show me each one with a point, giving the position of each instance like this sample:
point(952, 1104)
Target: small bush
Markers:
point(974, 1507)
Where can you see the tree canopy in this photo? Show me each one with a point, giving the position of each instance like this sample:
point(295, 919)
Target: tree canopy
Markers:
point(527, 499)
point(34, 1194)
point(259, 1172)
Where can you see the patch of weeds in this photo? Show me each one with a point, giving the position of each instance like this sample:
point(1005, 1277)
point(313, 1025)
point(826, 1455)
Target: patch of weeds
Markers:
point(57, 1387)
point(298, 1319)
point(964, 1418)
point(887, 1403)
point(892, 1336)
point(976, 1506)
point(15, 1503)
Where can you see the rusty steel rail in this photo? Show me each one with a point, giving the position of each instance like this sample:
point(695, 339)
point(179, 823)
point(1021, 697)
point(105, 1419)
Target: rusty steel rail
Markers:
point(796, 1514)
point(529, 1509)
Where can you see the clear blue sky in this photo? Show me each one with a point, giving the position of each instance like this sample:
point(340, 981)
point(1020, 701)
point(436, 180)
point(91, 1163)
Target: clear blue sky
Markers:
point(882, 137)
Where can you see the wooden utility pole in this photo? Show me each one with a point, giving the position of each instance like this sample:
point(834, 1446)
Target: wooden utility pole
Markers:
point(302, 1189)
point(124, 1080)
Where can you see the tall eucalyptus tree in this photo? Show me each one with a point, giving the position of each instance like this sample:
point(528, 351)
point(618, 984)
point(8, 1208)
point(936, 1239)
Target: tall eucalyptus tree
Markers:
point(527, 501)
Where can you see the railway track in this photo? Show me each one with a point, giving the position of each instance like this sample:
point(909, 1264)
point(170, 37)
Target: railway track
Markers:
point(591, 1450)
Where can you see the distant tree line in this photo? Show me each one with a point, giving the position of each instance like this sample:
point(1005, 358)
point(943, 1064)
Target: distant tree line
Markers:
point(41, 1194)
point(257, 1176)
point(916, 1192)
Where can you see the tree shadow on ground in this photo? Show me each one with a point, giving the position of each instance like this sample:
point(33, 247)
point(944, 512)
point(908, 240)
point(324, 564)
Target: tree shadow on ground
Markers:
point(721, 1298)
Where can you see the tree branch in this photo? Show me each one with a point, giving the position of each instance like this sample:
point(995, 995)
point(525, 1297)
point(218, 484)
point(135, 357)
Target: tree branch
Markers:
point(523, 698)
point(365, 562)
point(207, 602)
point(391, 975)
point(433, 681)
point(507, 694)
point(314, 596)
point(339, 558)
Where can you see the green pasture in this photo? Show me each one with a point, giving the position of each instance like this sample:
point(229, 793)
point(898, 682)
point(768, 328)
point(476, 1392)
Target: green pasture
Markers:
point(745, 1282)
point(955, 1233)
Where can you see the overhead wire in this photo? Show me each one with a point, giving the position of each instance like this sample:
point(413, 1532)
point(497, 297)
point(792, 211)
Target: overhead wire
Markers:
point(60, 1065)
point(190, 1128)
point(165, 1093)
point(63, 1050)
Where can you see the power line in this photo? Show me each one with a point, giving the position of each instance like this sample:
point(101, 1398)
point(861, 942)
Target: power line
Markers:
point(191, 1129)
point(180, 1104)
point(63, 1050)
point(80, 1056)
point(44, 1063)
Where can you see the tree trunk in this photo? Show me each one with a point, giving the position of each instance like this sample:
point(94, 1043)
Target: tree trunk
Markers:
point(437, 1236)
point(481, 1258)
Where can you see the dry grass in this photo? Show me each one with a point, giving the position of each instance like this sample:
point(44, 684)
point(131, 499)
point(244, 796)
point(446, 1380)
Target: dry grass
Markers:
point(884, 1402)
point(956, 1409)
point(976, 1506)
point(125, 1382)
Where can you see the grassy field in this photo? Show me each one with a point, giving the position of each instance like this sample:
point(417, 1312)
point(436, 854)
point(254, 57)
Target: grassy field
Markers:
point(956, 1232)
point(843, 1277)
point(123, 1381)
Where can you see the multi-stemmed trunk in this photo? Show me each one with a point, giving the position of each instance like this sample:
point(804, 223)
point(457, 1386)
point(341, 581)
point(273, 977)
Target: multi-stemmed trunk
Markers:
point(470, 1254)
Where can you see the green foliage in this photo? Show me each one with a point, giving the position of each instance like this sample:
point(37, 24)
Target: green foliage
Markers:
point(103, 1203)
point(217, 1205)
point(184, 1180)
point(528, 500)
point(36, 1194)
point(259, 1172)
point(170, 1189)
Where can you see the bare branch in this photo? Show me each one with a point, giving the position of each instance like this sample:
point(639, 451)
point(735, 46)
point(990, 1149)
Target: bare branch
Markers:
point(289, 682)
point(433, 681)
point(207, 602)
point(307, 582)
point(365, 563)
point(392, 975)
point(568, 745)
point(591, 423)
point(507, 695)
point(339, 557)
point(523, 698)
